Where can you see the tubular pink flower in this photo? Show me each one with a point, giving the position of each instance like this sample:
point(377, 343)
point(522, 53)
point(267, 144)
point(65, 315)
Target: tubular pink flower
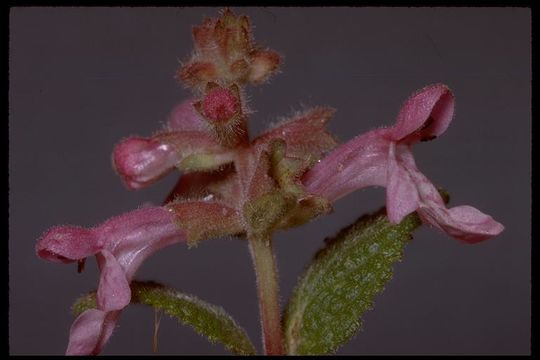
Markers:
point(120, 245)
point(383, 157)
point(142, 161)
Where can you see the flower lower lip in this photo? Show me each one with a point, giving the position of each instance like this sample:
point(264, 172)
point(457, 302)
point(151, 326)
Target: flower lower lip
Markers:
point(52, 256)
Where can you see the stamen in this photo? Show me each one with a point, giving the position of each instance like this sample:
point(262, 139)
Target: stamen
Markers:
point(80, 265)
point(156, 330)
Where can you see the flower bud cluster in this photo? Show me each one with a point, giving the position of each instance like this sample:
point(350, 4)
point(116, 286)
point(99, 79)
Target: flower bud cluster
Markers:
point(224, 60)
point(225, 52)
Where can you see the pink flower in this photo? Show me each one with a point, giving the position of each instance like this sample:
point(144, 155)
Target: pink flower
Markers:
point(383, 157)
point(120, 245)
point(142, 161)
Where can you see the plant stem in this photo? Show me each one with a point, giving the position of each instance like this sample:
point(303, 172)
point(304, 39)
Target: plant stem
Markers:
point(268, 293)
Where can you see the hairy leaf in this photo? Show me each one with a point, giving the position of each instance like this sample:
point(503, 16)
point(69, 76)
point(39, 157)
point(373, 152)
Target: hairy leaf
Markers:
point(206, 319)
point(341, 283)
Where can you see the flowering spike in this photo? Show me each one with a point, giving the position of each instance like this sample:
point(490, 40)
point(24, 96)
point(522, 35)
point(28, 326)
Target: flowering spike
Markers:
point(234, 186)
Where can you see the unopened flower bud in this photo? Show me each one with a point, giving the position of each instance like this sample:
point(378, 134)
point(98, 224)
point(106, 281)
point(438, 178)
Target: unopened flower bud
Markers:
point(141, 161)
point(202, 35)
point(232, 35)
point(263, 64)
point(239, 70)
point(197, 74)
point(220, 105)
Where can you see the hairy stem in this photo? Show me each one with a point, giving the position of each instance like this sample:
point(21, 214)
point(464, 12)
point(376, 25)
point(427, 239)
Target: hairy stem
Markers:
point(268, 293)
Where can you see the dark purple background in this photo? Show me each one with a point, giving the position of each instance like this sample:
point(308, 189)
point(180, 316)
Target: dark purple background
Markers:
point(81, 79)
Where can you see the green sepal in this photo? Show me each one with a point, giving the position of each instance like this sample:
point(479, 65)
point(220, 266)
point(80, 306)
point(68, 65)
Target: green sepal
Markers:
point(206, 319)
point(265, 213)
point(285, 170)
point(202, 220)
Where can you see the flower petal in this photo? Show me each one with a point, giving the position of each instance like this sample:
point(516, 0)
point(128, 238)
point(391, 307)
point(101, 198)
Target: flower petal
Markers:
point(401, 193)
point(85, 332)
point(90, 331)
point(358, 163)
point(67, 244)
point(425, 115)
point(464, 223)
point(113, 291)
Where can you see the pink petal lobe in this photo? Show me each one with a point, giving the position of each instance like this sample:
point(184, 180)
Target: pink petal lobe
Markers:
point(67, 244)
point(91, 331)
point(464, 223)
point(108, 327)
point(401, 193)
point(425, 115)
point(113, 291)
point(359, 163)
point(85, 333)
point(184, 117)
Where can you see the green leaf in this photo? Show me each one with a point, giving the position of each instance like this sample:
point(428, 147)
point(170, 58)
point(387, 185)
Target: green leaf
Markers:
point(206, 319)
point(341, 283)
